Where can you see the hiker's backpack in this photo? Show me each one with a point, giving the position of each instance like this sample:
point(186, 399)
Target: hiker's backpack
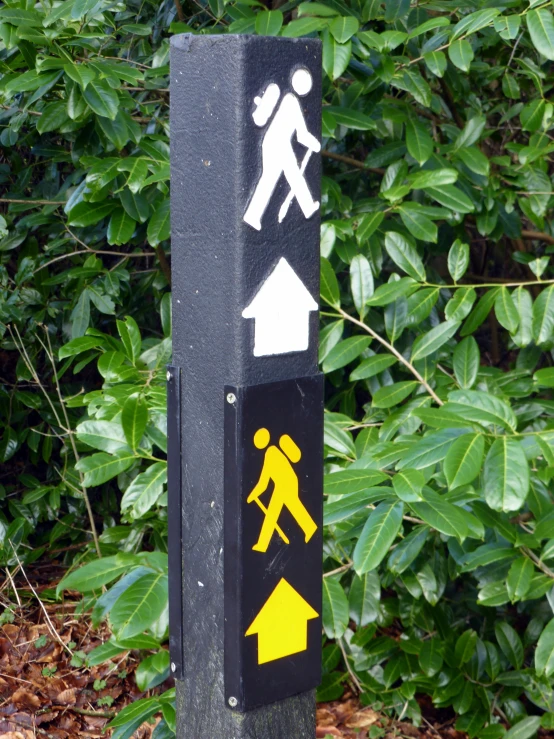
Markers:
point(265, 105)
point(290, 448)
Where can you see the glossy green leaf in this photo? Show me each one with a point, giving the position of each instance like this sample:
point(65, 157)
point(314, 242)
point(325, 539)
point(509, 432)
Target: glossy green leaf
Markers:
point(543, 316)
point(103, 100)
point(432, 341)
point(476, 405)
point(451, 197)
point(145, 489)
point(510, 643)
point(404, 255)
point(465, 646)
point(506, 310)
point(418, 141)
point(391, 395)
point(343, 28)
point(364, 597)
point(465, 362)
point(329, 286)
point(345, 352)
point(544, 654)
point(458, 259)
point(335, 608)
point(361, 282)
point(134, 418)
point(506, 475)
point(378, 534)
point(100, 468)
point(373, 366)
point(441, 515)
point(159, 227)
point(430, 656)
point(461, 54)
point(519, 578)
point(463, 461)
point(524, 305)
point(107, 436)
point(541, 29)
point(408, 485)
point(120, 228)
point(335, 56)
point(97, 573)
point(139, 606)
point(269, 22)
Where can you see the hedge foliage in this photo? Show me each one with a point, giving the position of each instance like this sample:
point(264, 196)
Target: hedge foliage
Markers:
point(437, 335)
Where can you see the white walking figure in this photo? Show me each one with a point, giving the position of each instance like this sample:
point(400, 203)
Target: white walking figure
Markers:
point(278, 156)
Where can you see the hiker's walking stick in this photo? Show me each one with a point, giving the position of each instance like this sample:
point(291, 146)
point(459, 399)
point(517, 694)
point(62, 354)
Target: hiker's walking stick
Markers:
point(279, 530)
point(288, 200)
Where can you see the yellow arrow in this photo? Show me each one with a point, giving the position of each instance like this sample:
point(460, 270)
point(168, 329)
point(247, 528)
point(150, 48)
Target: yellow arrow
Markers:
point(282, 624)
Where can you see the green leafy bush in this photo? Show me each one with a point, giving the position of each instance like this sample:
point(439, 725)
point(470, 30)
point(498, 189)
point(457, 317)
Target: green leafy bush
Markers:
point(437, 335)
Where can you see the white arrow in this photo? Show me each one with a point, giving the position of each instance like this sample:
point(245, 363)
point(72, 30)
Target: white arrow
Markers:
point(281, 310)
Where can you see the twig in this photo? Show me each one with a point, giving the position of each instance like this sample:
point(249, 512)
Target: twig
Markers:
point(430, 726)
point(164, 264)
point(540, 564)
point(349, 668)
point(537, 235)
point(180, 13)
point(89, 250)
point(18, 679)
point(86, 498)
point(351, 162)
point(51, 627)
point(13, 587)
point(394, 351)
point(88, 712)
point(33, 202)
point(338, 570)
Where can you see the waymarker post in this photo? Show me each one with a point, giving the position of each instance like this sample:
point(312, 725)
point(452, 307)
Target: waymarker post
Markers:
point(245, 401)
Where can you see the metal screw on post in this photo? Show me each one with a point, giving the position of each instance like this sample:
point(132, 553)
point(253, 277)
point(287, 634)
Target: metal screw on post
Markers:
point(231, 398)
point(168, 376)
point(233, 702)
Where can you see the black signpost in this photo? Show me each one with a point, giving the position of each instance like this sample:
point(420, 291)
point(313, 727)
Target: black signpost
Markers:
point(245, 402)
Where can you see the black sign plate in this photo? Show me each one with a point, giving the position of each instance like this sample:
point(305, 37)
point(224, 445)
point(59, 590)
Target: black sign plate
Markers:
point(273, 540)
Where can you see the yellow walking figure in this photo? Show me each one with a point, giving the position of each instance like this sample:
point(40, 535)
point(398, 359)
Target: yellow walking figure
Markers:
point(277, 467)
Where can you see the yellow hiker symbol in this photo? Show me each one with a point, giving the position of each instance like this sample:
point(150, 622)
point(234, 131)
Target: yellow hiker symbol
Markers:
point(282, 624)
point(277, 467)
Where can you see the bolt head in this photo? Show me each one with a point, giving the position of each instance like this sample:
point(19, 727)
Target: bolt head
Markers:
point(231, 398)
point(233, 702)
point(168, 376)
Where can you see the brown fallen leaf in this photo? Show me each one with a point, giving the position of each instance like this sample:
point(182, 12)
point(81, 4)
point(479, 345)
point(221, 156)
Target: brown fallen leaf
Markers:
point(408, 729)
point(322, 731)
point(23, 698)
point(324, 717)
point(66, 697)
point(362, 719)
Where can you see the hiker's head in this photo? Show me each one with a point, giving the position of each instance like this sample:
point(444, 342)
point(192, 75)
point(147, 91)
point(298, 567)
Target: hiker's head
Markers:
point(302, 82)
point(261, 438)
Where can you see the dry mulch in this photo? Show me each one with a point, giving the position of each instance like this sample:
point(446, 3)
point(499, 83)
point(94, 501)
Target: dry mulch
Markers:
point(347, 718)
point(45, 690)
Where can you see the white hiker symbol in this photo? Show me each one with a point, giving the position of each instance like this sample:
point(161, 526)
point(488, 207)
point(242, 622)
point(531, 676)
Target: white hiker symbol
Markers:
point(278, 156)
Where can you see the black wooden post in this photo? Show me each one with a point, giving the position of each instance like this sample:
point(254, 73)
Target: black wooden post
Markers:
point(245, 495)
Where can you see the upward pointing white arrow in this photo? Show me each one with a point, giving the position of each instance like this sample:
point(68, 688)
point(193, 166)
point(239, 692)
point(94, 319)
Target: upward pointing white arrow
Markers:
point(281, 310)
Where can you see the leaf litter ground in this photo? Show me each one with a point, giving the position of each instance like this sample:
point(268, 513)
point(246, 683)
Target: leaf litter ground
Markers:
point(47, 690)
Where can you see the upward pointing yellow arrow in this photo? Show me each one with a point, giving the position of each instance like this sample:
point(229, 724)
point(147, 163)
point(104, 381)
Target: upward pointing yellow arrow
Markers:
point(282, 624)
